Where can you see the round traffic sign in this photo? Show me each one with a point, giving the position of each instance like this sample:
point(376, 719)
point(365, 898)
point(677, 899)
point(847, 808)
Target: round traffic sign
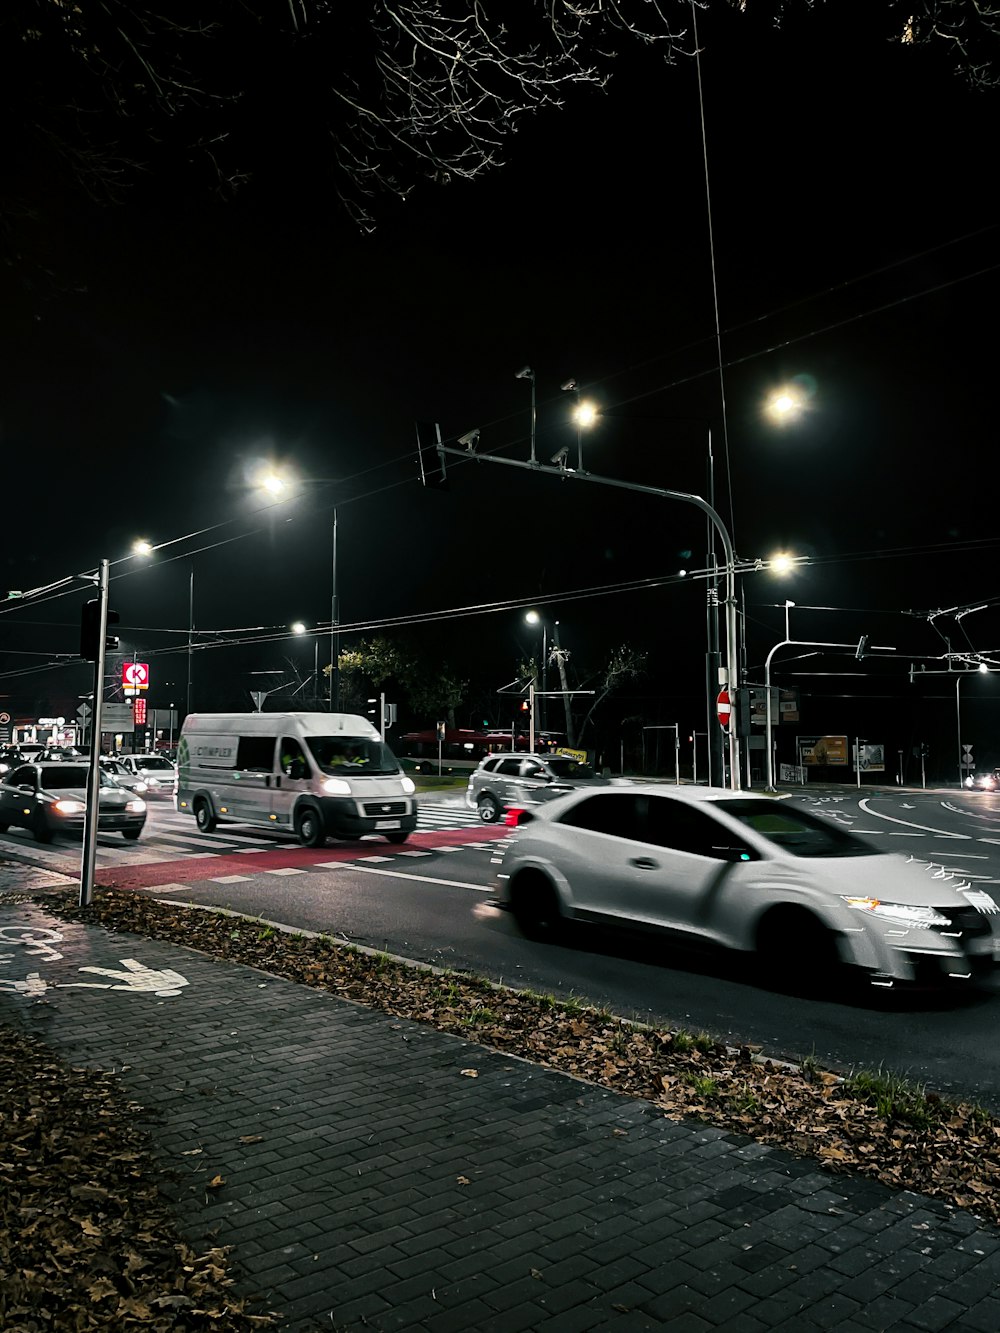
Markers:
point(723, 707)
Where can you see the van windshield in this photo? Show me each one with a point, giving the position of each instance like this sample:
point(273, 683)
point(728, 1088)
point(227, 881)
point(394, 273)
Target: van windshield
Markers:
point(343, 755)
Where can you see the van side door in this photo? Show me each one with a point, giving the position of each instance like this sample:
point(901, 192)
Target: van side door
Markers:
point(293, 775)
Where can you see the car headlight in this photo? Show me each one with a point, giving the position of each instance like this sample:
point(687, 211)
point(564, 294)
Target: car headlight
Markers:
point(921, 918)
point(140, 786)
point(408, 786)
point(136, 807)
point(69, 807)
point(337, 787)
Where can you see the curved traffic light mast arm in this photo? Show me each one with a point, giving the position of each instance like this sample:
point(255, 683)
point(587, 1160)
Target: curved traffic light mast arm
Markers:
point(578, 474)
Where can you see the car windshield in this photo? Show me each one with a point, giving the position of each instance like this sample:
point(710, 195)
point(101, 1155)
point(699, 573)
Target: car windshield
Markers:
point(341, 755)
point(154, 764)
point(795, 831)
point(564, 767)
point(114, 766)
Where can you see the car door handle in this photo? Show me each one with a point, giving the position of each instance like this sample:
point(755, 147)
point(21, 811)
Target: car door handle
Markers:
point(643, 862)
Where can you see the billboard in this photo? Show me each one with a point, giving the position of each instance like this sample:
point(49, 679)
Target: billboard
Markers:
point(827, 750)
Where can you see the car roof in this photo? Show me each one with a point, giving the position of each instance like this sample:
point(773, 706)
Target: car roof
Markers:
point(696, 794)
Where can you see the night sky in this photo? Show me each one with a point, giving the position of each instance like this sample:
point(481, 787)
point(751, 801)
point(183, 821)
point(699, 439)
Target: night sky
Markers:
point(157, 352)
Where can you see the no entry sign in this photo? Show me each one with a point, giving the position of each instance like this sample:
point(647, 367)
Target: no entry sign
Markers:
point(723, 708)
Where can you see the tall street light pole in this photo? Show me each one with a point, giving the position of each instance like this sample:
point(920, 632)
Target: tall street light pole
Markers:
point(984, 670)
point(533, 618)
point(334, 628)
point(277, 486)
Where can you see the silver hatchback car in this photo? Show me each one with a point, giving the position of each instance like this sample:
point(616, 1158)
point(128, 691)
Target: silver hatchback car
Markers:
point(749, 873)
point(519, 781)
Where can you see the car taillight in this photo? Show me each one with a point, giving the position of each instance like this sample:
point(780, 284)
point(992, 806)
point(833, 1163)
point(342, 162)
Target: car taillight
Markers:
point(513, 817)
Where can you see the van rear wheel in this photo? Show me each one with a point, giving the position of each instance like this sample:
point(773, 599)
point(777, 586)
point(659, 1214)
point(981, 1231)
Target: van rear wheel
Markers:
point(309, 827)
point(400, 835)
point(203, 816)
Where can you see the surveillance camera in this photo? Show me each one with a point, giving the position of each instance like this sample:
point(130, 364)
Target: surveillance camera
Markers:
point(468, 440)
point(568, 384)
point(561, 456)
point(525, 373)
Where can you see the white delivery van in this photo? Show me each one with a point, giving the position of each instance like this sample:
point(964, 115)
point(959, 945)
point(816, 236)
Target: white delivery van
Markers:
point(320, 774)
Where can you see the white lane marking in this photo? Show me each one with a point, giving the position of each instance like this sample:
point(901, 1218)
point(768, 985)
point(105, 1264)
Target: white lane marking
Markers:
point(230, 879)
point(414, 853)
point(166, 888)
point(285, 870)
point(329, 865)
point(424, 879)
point(893, 834)
point(940, 833)
point(373, 858)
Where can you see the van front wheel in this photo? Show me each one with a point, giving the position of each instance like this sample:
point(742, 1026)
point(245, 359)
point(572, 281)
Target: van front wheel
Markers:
point(203, 816)
point(309, 827)
point(400, 835)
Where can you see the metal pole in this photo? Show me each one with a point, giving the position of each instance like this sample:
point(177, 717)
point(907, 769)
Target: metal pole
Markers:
point(714, 734)
point(316, 671)
point(857, 759)
point(694, 757)
point(92, 815)
point(958, 724)
point(531, 717)
point(561, 664)
point(532, 416)
point(334, 631)
point(677, 754)
point(190, 635)
point(545, 672)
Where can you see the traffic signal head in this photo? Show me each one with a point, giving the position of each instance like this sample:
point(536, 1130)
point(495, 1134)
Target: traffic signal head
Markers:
point(90, 631)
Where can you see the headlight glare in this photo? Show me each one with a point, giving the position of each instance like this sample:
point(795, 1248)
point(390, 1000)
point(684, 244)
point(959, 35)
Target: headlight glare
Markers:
point(69, 807)
point(337, 787)
point(408, 786)
point(907, 914)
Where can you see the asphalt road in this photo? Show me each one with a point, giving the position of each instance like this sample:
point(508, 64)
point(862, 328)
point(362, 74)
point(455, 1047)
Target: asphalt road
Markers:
point(431, 900)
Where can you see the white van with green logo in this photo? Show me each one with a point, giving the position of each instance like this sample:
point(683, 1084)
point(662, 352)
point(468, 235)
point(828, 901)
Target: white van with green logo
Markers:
point(321, 774)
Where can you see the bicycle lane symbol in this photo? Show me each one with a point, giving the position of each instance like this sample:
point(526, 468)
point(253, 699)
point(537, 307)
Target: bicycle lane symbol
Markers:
point(131, 976)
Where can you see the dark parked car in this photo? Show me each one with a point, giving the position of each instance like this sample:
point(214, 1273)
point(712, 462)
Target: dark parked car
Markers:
point(52, 798)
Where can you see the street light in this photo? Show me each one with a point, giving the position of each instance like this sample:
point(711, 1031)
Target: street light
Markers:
point(584, 414)
point(981, 669)
point(277, 485)
point(299, 628)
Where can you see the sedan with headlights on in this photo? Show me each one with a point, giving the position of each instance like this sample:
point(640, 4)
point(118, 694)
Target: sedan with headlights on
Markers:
point(745, 872)
point(52, 798)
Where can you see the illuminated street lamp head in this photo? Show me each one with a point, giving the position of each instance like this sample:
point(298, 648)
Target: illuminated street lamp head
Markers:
point(983, 668)
point(270, 481)
point(142, 547)
point(781, 563)
point(788, 403)
point(532, 617)
point(298, 627)
point(585, 415)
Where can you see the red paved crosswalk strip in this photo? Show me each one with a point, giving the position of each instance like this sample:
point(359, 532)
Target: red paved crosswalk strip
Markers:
point(186, 870)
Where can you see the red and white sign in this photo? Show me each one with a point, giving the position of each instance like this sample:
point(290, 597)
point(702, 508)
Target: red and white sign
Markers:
point(139, 709)
point(135, 675)
point(723, 707)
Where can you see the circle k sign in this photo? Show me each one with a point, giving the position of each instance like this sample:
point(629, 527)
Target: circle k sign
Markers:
point(135, 675)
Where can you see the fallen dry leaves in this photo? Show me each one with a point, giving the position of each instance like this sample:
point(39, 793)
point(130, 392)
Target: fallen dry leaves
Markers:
point(87, 1242)
point(948, 1150)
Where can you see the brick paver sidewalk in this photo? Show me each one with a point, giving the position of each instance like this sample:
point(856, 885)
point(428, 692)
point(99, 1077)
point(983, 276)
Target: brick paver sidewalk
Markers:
point(403, 1178)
